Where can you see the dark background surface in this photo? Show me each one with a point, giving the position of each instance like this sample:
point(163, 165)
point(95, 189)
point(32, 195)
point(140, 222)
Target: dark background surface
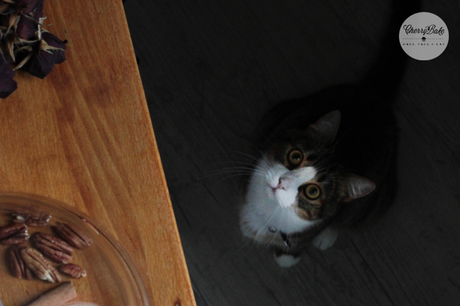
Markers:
point(211, 69)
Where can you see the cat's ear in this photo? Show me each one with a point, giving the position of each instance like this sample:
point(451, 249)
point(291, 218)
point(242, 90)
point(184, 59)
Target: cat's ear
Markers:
point(355, 186)
point(326, 128)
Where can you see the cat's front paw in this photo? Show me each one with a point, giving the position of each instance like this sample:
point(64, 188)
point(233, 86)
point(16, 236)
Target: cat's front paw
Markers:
point(325, 239)
point(286, 260)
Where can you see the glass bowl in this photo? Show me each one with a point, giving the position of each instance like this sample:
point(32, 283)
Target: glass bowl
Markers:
point(112, 278)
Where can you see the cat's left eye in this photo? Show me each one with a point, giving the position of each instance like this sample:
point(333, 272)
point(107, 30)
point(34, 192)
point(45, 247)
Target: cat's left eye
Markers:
point(295, 157)
point(312, 191)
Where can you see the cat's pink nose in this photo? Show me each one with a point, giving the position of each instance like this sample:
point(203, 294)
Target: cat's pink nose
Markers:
point(274, 186)
point(280, 185)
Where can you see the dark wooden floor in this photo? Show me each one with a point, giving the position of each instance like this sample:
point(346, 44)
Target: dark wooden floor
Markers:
point(211, 69)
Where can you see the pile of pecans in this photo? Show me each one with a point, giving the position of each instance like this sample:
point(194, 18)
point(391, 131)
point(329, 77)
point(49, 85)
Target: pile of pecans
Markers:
point(36, 261)
point(25, 44)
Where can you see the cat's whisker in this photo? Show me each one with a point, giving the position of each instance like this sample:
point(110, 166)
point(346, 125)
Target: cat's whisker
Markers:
point(241, 167)
point(234, 168)
point(235, 162)
point(223, 169)
point(228, 177)
point(249, 156)
point(237, 172)
point(252, 144)
point(227, 174)
point(248, 242)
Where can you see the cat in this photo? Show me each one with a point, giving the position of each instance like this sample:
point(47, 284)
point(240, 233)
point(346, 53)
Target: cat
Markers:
point(328, 160)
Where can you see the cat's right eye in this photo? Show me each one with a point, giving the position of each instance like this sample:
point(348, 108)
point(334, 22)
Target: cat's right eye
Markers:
point(312, 191)
point(295, 157)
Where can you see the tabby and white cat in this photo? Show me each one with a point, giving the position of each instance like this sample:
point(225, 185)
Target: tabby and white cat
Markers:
point(328, 161)
point(310, 173)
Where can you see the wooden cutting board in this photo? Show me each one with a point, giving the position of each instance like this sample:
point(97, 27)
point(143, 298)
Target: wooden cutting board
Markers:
point(83, 136)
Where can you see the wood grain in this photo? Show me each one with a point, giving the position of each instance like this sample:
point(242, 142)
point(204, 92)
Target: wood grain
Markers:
point(83, 136)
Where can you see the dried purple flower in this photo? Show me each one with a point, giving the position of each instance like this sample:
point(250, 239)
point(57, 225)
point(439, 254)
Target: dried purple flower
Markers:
point(6, 8)
point(24, 44)
point(51, 51)
point(28, 6)
point(30, 18)
point(7, 83)
point(26, 29)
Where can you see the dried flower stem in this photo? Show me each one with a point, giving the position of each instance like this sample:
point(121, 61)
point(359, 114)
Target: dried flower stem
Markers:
point(57, 296)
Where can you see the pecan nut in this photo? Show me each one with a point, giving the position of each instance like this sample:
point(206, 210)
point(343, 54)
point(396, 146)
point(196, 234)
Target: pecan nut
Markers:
point(72, 270)
point(31, 219)
point(73, 235)
point(15, 262)
point(52, 247)
point(39, 265)
point(16, 265)
point(14, 234)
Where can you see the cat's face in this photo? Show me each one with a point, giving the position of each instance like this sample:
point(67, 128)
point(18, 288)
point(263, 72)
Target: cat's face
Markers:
point(294, 177)
point(299, 171)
